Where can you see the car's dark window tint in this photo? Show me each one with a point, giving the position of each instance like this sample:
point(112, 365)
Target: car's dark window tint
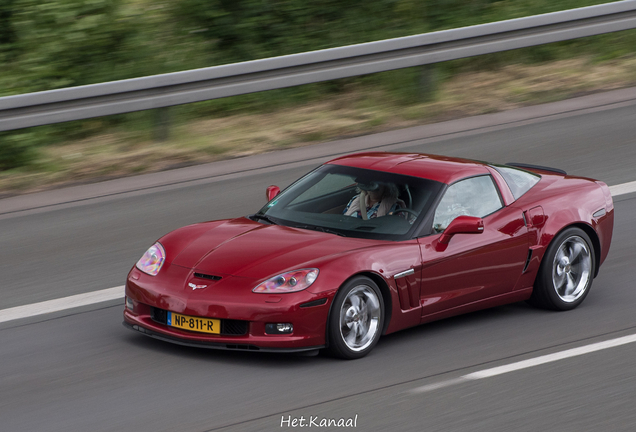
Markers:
point(326, 199)
point(475, 196)
point(519, 181)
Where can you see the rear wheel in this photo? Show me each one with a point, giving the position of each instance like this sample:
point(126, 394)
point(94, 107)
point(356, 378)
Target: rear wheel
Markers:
point(356, 318)
point(566, 273)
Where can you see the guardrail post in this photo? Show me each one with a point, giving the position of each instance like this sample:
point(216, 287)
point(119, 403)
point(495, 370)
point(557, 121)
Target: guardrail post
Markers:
point(161, 129)
point(427, 83)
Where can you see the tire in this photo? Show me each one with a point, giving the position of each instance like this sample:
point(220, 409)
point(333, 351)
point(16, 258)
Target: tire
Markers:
point(356, 319)
point(566, 273)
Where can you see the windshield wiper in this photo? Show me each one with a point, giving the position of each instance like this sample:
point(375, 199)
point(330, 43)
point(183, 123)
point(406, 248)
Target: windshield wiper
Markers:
point(262, 217)
point(321, 229)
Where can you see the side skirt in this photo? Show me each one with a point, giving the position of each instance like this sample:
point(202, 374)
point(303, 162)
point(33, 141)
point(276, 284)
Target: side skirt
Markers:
point(511, 297)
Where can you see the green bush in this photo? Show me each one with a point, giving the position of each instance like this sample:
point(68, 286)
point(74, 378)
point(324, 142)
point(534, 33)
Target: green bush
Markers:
point(16, 150)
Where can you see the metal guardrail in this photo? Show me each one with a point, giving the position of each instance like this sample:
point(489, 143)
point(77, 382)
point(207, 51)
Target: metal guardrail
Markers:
point(116, 97)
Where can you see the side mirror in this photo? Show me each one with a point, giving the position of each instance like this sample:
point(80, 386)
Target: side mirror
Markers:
point(462, 225)
point(271, 192)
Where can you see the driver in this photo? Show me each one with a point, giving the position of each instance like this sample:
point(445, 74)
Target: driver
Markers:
point(379, 199)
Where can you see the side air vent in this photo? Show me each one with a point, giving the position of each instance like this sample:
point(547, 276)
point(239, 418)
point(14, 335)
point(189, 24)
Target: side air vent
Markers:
point(207, 276)
point(527, 261)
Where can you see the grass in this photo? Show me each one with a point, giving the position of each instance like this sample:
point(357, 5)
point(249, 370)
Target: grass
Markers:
point(360, 108)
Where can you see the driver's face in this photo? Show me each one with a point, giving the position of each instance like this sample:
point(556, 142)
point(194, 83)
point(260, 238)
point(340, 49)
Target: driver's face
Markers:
point(376, 195)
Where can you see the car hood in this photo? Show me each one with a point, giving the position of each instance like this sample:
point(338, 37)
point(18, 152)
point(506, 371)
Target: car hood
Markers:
point(242, 247)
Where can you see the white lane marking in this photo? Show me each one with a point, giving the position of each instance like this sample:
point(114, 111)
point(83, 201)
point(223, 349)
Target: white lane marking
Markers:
point(61, 304)
point(438, 385)
point(622, 189)
point(93, 297)
point(524, 364)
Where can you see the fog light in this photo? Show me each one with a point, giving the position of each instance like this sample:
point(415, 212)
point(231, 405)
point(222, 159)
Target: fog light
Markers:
point(129, 304)
point(279, 328)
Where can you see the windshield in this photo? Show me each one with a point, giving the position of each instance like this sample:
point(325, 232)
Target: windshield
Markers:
point(354, 202)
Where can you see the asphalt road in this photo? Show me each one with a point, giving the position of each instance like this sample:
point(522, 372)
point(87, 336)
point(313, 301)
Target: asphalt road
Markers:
point(80, 370)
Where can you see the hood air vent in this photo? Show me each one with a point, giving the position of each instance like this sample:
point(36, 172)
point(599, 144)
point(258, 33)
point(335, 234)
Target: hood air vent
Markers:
point(207, 276)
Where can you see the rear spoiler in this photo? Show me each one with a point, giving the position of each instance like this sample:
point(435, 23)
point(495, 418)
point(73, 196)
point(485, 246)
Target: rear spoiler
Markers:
point(536, 167)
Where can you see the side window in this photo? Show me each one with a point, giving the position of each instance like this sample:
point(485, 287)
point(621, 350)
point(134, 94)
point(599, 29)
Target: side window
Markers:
point(476, 196)
point(519, 181)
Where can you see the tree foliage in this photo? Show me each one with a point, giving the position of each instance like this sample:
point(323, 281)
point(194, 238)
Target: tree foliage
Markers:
point(248, 29)
point(65, 43)
point(7, 32)
point(240, 30)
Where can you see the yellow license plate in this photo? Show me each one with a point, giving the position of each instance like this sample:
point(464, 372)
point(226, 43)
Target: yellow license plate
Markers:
point(197, 324)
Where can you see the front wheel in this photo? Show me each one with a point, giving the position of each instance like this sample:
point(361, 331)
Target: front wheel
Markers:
point(566, 273)
point(356, 318)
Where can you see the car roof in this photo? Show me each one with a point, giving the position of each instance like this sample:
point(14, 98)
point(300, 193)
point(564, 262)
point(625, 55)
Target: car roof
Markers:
point(443, 169)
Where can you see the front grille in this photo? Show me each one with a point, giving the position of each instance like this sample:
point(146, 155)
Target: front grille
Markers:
point(229, 327)
point(159, 315)
point(207, 276)
point(233, 327)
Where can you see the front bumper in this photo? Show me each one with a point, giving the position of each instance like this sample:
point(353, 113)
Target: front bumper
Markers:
point(216, 345)
point(307, 334)
point(227, 301)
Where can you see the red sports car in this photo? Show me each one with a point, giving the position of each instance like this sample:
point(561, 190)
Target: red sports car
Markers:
point(369, 244)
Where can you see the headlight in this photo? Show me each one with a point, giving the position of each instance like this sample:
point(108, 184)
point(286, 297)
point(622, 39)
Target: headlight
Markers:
point(296, 280)
point(152, 260)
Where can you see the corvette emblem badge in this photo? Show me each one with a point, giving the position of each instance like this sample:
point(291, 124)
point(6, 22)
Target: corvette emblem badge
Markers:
point(195, 287)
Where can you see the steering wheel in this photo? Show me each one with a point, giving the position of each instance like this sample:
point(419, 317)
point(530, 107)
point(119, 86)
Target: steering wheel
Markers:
point(405, 210)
